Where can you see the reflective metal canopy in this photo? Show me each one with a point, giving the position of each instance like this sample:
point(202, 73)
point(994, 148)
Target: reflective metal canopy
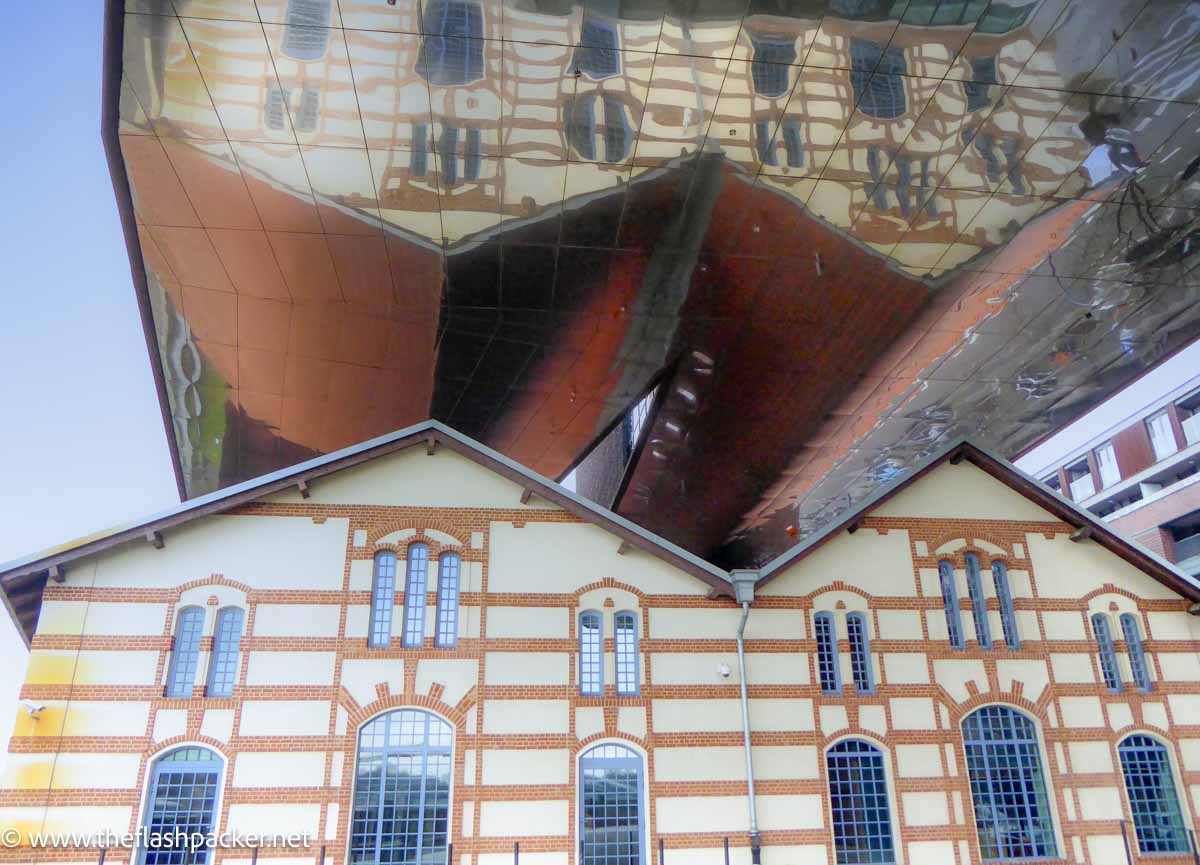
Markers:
point(753, 259)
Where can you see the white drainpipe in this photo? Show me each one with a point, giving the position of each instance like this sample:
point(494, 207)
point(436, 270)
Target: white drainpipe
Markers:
point(743, 584)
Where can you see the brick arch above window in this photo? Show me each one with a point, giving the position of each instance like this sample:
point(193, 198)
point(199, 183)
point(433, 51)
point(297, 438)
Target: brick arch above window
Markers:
point(400, 533)
point(609, 583)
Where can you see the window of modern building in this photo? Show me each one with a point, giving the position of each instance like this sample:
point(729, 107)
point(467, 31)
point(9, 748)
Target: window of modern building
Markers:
point(182, 803)
point(449, 568)
point(1108, 654)
point(1008, 787)
point(306, 29)
point(401, 806)
point(859, 804)
point(1106, 462)
point(860, 653)
point(597, 55)
point(1008, 615)
point(950, 604)
point(1157, 817)
point(793, 144)
point(591, 653)
point(983, 629)
point(611, 810)
point(626, 640)
point(875, 75)
point(418, 159)
point(310, 110)
point(415, 581)
point(383, 598)
point(227, 644)
point(770, 69)
point(1162, 436)
point(1079, 478)
point(827, 654)
point(452, 48)
point(185, 652)
point(1137, 653)
point(1189, 417)
point(1052, 482)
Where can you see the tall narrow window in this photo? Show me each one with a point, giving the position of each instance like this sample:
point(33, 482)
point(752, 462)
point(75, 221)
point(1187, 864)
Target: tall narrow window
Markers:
point(418, 160)
point(185, 653)
point(1162, 435)
point(875, 76)
point(1008, 616)
point(611, 821)
point(473, 159)
point(625, 632)
point(1106, 461)
point(227, 644)
point(182, 804)
point(1137, 654)
point(1157, 818)
point(793, 145)
point(447, 603)
point(769, 70)
point(1108, 654)
point(383, 598)
point(597, 56)
point(827, 656)
point(591, 653)
point(1008, 788)
point(950, 604)
point(310, 110)
point(452, 47)
point(860, 653)
point(414, 594)
point(764, 143)
point(401, 805)
point(983, 630)
point(306, 29)
point(448, 154)
point(859, 805)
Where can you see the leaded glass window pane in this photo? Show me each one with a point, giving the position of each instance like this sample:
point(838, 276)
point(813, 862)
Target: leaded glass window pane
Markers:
point(769, 69)
point(1008, 615)
point(597, 55)
point(1137, 654)
point(306, 29)
point(310, 110)
point(581, 122)
point(858, 802)
point(383, 597)
point(276, 106)
point(1108, 654)
point(447, 604)
point(591, 653)
point(452, 49)
point(611, 810)
point(625, 627)
point(983, 630)
point(875, 75)
point(181, 807)
point(617, 136)
point(1008, 788)
point(860, 652)
point(414, 594)
point(950, 604)
point(1152, 797)
point(827, 659)
point(185, 655)
point(227, 644)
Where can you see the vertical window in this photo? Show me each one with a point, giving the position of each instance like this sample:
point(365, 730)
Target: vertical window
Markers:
point(448, 151)
point(1106, 461)
point(763, 142)
point(977, 90)
point(383, 597)
point(401, 805)
point(306, 29)
point(276, 106)
point(310, 110)
point(597, 55)
point(616, 130)
point(1079, 480)
point(581, 122)
point(1157, 818)
point(860, 652)
point(950, 604)
point(792, 144)
point(473, 157)
point(418, 159)
point(447, 603)
point(414, 594)
point(452, 47)
point(227, 644)
point(1137, 654)
point(625, 633)
point(591, 653)
point(858, 802)
point(827, 656)
point(983, 629)
point(770, 67)
point(610, 806)
point(1008, 788)
point(875, 76)
point(185, 653)
point(183, 800)
point(1008, 616)
point(1162, 436)
point(1108, 655)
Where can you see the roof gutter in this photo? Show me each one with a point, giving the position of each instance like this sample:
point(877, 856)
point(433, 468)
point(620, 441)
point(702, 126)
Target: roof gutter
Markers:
point(743, 585)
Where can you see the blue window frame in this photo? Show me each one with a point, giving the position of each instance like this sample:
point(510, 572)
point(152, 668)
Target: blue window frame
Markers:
point(1108, 654)
point(597, 55)
point(182, 799)
point(827, 654)
point(415, 582)
point(626, 640)
point(983, 629)
point(1008, 615)
point(1157, 817)
point(950, 604)
point(306, 29)
point(591, 653)
point(611, 810)
point(1137, 653)
point(401, 806)
point(452, 48)
point(859, 804)
point(860, 653)
point(449, 569)
point(383, 598)
point(770, 68)
point(227, 645)
point(1008, 787)
point(875, 76)
point(185, 652)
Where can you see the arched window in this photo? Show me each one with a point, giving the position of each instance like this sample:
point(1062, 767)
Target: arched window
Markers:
point(1137, 654)
point(414, 594)
point(950, 603)
point(827, 655)
point(227, 644)
point(383, 597)
point(1157, 817)
point(401, 807)
point(447, 602)
point(1008, 616)
point(1108, 654)
point(591, 653)
point(859, 804)
point(183, 800)
point(611, 811)
point(625, 632)
point(983, 630)
point(185, 653)
point(860, 653)
point(1008, 788)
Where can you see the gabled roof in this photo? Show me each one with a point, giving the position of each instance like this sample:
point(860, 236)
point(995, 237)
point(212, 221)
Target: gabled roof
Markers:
point(23, 580)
